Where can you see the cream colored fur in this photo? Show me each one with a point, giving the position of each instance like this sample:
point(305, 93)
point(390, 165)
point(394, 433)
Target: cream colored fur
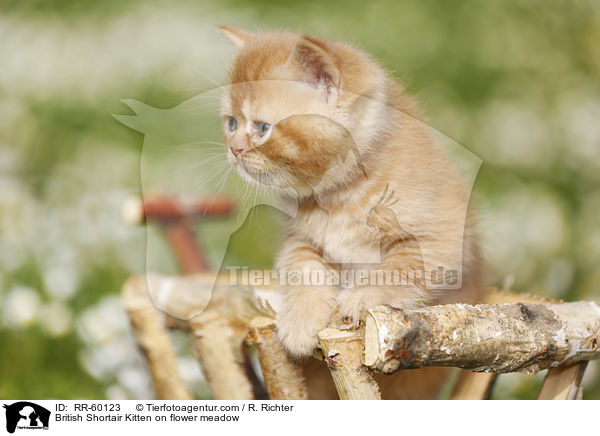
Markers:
point(343, 136)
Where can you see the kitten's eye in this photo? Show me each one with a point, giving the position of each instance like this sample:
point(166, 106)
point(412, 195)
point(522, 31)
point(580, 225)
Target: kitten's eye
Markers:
point(232, 124)
point(262, 128)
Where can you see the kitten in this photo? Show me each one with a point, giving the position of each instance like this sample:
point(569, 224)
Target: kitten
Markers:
point(323, 124)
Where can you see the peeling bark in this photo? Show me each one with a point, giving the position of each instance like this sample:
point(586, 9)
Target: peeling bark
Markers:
point(483, 338)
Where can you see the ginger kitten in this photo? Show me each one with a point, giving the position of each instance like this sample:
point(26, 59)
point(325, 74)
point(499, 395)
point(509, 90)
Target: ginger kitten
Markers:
point(325, 125)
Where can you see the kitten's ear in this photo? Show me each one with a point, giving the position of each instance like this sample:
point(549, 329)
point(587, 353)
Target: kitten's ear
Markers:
point(236, 35)
point(314, 59)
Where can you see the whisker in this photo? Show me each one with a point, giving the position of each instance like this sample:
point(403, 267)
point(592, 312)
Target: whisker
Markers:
point(204, 142)
point(213, 110)
point(205, 168)
point(206, 96)
point(223, 182)
point(206, 180)
point(209, 151)
point(212, 106)
point(197, 150)
point(214, 161)
point(254, 201)
point(210, 79)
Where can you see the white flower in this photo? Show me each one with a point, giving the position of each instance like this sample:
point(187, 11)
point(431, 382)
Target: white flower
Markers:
point(56, 318)
point(61, 281)
point(21, 306)
point(103, 322)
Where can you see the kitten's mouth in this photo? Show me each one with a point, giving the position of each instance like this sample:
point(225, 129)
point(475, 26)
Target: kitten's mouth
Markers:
point(257, 176)
point(262, 177)
point(267, 179)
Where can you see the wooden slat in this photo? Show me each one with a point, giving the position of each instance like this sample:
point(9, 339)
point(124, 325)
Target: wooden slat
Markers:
point(283, 377)
point(563, 383)
point(153, 339)
point(474, 386)
point(220, 357)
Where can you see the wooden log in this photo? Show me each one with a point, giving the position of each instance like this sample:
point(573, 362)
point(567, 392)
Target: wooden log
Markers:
point(185, 296)
point(563, 383)
point(483, 338)
point(342, 350)
point(219, 354)
point(283, 378)
point(153, 339)
point(477, 385)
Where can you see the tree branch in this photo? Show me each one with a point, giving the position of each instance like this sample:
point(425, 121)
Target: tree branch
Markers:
point(342, 350)
point(483, 338)
point(283, 378)
point(153, 339)
point(219, 354)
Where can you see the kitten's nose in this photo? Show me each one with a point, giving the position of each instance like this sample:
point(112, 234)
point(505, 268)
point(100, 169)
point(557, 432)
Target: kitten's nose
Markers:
point(236, 150)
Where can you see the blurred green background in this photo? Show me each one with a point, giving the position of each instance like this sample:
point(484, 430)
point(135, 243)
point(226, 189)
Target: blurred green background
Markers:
point(515, 82)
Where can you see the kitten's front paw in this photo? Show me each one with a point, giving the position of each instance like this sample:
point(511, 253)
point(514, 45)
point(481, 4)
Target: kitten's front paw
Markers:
point(303, 315)
point(298, 336)
point(353, 303)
